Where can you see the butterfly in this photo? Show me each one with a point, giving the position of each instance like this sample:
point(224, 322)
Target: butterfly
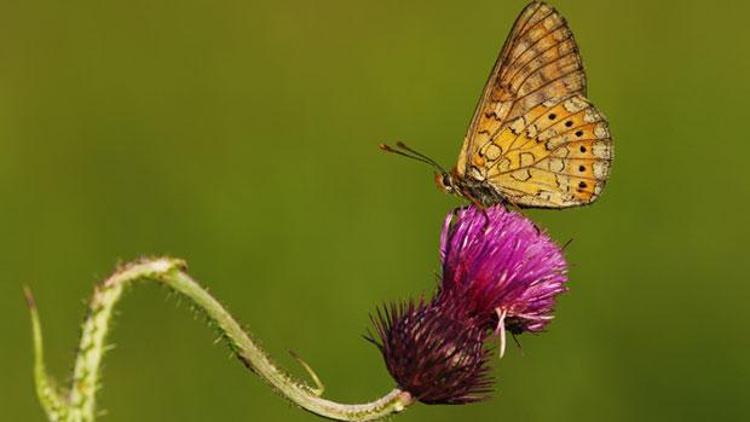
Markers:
point(535, 139)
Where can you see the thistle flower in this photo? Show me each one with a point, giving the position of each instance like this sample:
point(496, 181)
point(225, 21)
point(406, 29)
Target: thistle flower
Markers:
point(508, 271)
point(499, 273)
point(434, 352)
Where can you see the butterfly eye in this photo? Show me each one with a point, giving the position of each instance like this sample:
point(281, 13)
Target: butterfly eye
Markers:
point(447, 182)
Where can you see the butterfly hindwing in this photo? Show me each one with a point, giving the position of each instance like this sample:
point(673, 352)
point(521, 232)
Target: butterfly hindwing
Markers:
point(557, 155)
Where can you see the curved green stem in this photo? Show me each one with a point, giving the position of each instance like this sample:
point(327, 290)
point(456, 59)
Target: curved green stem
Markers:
point(80, 405)
point(50, 398)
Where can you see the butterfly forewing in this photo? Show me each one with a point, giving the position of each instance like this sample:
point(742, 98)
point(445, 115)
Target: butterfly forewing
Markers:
point(534, 137)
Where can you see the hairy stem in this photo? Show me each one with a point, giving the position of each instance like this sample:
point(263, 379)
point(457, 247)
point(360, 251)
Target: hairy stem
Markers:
point(50, 398)
point(80, 404)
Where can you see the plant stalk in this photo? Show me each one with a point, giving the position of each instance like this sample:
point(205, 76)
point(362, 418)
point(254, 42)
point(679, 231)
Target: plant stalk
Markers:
point(80, 404)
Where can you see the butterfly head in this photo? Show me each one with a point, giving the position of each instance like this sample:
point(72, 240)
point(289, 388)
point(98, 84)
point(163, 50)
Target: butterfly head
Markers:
point(445, 182)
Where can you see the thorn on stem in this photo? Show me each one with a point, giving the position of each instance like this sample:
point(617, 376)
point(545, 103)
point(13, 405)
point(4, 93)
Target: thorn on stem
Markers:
point(319, 387)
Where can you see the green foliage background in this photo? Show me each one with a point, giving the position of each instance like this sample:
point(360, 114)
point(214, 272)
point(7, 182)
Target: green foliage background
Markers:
point(241, 136)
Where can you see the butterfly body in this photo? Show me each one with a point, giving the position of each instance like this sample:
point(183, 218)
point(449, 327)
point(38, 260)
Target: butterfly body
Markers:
point(480, 193)
point(535, 139)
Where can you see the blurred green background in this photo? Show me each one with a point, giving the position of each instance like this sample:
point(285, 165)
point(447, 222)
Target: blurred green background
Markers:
point(242, 136)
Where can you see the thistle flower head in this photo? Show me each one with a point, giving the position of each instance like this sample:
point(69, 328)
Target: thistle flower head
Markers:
point(434, 352)
point(499, 272)
point(507, 270)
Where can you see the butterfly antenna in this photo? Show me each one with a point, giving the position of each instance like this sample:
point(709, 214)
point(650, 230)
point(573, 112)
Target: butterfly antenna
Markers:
point(388, 148)
point(407, 154)
point(419, 154)
point(404, 151)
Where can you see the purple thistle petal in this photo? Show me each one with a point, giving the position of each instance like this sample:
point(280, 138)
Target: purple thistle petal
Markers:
point(498, 259)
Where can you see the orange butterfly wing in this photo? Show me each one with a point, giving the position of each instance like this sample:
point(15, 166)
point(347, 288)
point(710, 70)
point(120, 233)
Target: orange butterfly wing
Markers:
point(534, 137)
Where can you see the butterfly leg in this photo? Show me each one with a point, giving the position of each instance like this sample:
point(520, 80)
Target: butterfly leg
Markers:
point(457, 210)
point(486, 217)
point(512, 206)
point(480, 206)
